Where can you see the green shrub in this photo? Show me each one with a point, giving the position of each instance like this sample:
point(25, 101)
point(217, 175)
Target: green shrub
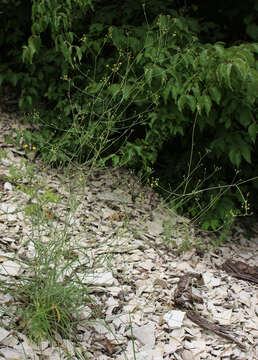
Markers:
point(125, 94)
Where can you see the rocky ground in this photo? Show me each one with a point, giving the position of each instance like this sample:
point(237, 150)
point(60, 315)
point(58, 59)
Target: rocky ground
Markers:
point(130, 241)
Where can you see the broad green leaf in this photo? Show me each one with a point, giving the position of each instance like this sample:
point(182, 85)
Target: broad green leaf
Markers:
point(126, 90)
point(204, 58)
point(34, 43)
point(235, 156)
point(155, 99)
point(227, 123)
point(67, 109)
point(205, 225)
point(252, 131)
point(63, 48)
point(242, 67)
point(245, 116)
point(227, 75)
point(163, 21)
point(69, 36)
point(218, 144)
point(214, 224)
point(191, 102)
point(245, 151)
point(196, 90)
point(134, 44)
point(175, 91)
point(207, 103)
point(223, 73)
point(149, 40)
point(25, 54)
point(181, 24)
point(231, 106)
point(163, 77)
point(219, 71)
point(115, 159)
point(78, 52)
point(29, 100)
point(158, 72)
point(32, 90)
point(181, 102)
point(166, 93)
point(148, 71)
point(252, 91)
point(187, 100)
point(215, 94)
point(254, 47)
point(117, 36)
point(178, 129)
point(115, 89)
point(139, 57)
point(188, 60)
point(219, 49)
point(36, 29)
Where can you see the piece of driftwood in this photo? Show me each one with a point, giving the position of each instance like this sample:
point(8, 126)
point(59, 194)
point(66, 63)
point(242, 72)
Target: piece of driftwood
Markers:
point(217, 329)
point(184, 298)
point(241, 270)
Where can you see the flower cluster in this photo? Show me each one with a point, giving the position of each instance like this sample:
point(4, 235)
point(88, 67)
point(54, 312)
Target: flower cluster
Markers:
point(27, 146)
point(115, 67)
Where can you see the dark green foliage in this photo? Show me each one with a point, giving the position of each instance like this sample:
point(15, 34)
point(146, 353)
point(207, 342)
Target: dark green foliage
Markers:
point(176, 91)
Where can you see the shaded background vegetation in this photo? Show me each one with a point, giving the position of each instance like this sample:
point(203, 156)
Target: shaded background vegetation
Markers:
point(170, 86)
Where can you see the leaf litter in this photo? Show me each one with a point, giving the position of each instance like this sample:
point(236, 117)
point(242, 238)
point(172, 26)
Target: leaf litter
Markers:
point(155, 303)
